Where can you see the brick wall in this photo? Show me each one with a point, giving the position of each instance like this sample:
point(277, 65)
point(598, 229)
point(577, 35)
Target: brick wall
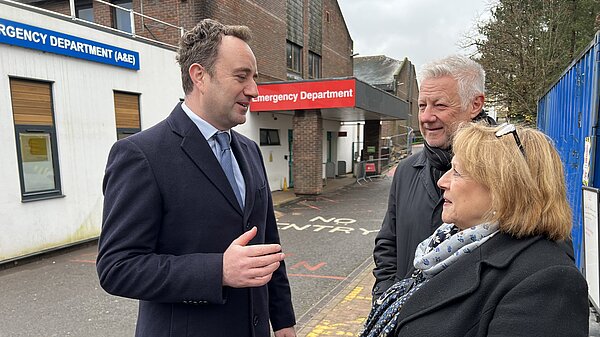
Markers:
point(59, 6)
point(408, 89)
point(337, 43)
point(308, 152)
point(266, 18)
point(174, 12)
point(267, 21)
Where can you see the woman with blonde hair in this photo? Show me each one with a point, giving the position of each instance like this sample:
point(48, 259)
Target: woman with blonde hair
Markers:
point(498, 265)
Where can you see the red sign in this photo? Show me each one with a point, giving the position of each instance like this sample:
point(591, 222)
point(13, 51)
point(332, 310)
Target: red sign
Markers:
point(370, 167)
point(305, 95)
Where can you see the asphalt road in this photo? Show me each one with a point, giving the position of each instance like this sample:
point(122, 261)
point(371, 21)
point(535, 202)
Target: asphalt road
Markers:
point(330, 239)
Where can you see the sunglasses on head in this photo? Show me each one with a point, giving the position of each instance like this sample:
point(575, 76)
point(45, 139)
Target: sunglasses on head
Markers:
point(507, 128)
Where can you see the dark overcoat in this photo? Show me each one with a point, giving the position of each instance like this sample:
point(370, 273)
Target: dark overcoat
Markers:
point(169, 215)
point(413, 214)
point(507, 287)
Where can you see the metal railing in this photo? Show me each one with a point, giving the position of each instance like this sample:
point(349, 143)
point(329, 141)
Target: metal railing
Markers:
point(132, 15)
point(395, 148)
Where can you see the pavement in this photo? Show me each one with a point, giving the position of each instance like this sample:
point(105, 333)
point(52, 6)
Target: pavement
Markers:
point(348, 305)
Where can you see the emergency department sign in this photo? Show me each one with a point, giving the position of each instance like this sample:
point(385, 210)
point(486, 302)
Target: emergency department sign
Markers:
point(305, 95)
point(26, 36)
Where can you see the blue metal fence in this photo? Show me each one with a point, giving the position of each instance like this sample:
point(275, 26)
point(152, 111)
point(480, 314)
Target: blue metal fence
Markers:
point(568, 113)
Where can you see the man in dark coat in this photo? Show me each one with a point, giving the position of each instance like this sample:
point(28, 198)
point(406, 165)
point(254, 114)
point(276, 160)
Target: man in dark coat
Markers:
point(451, 92)
point(188, 224)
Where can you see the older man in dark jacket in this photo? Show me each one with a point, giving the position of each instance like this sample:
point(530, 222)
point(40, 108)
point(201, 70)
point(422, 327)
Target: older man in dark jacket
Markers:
point(452, 91)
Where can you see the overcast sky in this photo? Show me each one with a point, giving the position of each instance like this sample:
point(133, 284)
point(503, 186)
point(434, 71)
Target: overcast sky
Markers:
point(422, 30)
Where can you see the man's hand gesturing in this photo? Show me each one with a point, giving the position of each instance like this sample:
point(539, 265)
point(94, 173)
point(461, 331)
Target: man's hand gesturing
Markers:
point(250, 266)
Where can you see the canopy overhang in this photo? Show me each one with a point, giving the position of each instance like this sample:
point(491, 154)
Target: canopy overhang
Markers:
point(344, 100)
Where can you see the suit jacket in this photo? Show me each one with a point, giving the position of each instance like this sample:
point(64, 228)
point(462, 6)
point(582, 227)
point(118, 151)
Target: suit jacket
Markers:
point(506, 287)
point(169, 215)
point(413, 214)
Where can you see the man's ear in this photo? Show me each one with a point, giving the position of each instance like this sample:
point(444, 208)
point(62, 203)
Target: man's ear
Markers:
point(476, 106)
point(198, 75)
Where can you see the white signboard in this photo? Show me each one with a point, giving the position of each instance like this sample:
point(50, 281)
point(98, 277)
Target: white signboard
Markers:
point(590, 223)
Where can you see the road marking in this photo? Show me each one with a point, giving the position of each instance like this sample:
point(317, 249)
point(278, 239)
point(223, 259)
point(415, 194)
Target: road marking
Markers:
point(341, 278)
point(352, 295)
point(326, 328)
point(83, 261)
point(309, 206)
point(307, 266)
point(325, 228)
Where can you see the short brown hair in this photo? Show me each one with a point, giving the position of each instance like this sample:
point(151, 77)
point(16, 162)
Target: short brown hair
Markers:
point(528, 190)
point(201, 45)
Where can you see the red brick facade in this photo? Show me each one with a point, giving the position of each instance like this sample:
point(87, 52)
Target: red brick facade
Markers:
point(337, 43)
point(308, 152)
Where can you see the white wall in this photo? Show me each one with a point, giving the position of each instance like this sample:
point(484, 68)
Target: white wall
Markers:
point(334, 128)
point(273, 155)
point(82, 93)
point(355, 134)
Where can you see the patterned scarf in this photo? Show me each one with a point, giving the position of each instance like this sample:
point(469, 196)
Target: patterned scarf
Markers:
point(434, 254)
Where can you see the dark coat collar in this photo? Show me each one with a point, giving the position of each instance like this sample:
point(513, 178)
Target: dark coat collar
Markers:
point(424, 171)
point(196, 147)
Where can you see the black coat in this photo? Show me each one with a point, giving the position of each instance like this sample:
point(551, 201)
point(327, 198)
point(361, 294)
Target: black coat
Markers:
point(507, 287)
point(413, 213)
point(169, 214)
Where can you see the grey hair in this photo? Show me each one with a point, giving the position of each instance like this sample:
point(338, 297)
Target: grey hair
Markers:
point(468, 73)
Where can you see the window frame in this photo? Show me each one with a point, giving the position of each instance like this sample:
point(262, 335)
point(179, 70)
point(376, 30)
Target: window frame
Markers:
point(41, 128)
point(124, 132)
point(56, 192)
point(81, 5)
point(269, 141)
point(314, 63)
point(114, 12)
point(293, 55)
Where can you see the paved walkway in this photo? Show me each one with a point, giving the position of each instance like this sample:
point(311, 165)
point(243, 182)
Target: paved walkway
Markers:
point(350, 303)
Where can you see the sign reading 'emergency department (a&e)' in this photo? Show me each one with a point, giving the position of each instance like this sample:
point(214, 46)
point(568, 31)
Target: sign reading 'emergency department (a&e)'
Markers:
point(22, 35)
point(305, 95)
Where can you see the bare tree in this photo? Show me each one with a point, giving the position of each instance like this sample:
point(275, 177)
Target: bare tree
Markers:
point(526, 45)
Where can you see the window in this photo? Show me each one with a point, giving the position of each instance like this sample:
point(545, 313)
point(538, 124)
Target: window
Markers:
point(314, 65)
point(36, 139)
point(122, 18)
point(269, 137)
point(127, 113)
point(84, 10)
point(294, 57)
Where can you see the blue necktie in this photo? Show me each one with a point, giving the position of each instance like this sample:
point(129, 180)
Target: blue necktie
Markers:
point(226, 163)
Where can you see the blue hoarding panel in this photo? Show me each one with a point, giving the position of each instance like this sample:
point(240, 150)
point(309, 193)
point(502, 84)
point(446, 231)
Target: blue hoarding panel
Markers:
point(567, 113)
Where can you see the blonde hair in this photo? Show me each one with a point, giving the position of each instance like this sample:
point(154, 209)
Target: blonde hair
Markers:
point(528, 190)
